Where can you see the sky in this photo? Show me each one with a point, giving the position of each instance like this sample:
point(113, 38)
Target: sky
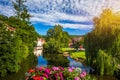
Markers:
point(75, 16)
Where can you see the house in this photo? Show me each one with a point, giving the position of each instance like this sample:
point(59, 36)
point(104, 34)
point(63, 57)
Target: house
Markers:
point(40, 41)
point(38, 50)
point(10, 29)
point(74, 40)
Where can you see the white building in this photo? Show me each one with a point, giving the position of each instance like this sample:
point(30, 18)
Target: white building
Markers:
point(39, 48)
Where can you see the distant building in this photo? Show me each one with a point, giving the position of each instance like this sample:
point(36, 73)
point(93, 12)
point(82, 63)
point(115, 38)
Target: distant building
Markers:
point(10, 29)
point(74, 40)
point(38, 50)
point(40, 42)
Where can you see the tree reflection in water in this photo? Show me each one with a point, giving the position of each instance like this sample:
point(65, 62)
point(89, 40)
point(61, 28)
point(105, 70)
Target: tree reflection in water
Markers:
point(56, 60)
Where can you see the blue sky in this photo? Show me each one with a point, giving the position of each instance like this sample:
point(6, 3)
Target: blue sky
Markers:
point(74, 15)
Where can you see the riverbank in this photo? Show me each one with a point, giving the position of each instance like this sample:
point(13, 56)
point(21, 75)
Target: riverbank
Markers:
point(76, 55)
point(79, 56)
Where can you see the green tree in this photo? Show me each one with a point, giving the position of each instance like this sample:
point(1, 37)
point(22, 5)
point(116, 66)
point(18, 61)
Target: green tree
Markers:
point(52, 46)
point(20, 9)
point(104, 63)
point(76, 45)
point(105, 36)
point(15, 46)
point(57, 37)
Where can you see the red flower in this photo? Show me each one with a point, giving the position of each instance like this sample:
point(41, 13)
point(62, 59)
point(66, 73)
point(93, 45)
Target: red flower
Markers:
point(36, 78)
point(31, 70)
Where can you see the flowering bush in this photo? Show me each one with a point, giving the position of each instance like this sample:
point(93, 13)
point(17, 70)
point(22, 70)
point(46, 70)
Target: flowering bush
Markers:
point(57, 73)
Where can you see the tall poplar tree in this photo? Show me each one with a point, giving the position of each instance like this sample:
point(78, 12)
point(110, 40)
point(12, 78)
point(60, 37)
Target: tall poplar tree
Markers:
point(21, 10)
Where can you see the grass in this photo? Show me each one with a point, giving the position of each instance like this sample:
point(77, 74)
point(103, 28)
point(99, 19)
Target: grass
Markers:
point(67, 49)
point(70, 50)
point(74, 54)
point(77, 55)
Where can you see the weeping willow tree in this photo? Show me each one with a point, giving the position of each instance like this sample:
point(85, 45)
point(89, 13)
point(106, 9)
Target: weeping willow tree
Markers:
point(106, 37)
point(104, 63)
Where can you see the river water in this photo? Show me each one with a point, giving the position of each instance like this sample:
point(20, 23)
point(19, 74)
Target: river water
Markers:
point(50, 60)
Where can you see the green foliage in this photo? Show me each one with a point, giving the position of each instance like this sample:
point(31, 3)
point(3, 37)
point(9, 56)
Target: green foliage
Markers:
point(8, 54)
point(17, 39)
point(77, 42)
point(20, 9)
point(105, 36)
point(104, 63)
point(56, 38)
point(76, 45)
point(15, 46)
point(52, 46)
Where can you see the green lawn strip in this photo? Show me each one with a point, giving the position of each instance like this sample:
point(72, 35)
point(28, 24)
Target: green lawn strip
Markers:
point(67, 50)
point(74, 54)
point(78, 55)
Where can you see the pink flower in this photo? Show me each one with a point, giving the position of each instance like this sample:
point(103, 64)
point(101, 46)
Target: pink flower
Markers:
point(55, 68)
point(61, 68)
point(45, 75)
point(61, 76)
point(41, 78)
point(70, 69)
point(41, 68)
point(56, 76)
point(47, 70)
point(84, 73)
point(77, 78)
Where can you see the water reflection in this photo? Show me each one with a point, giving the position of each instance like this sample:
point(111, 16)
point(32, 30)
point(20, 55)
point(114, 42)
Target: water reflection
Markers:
point(20, 75)
point(42, 61)
point(56, 60)
point(73, 63)
point(49, 60)
point(60, 60)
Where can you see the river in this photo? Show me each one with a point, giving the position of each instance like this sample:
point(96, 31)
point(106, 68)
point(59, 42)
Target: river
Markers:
point(50, 60)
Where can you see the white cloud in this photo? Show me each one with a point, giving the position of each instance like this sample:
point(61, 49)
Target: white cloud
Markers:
point(54, 13)
point(6, 10)
point(76, 26)
point(52, 19)
point(50, 12)
point(56, 16)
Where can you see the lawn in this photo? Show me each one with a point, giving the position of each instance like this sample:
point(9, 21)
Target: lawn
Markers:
point(67, 50)
point(77, 55)
point(74, 54)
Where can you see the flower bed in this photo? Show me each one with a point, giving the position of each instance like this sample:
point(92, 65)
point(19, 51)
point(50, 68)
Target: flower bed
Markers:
point(57, 73)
